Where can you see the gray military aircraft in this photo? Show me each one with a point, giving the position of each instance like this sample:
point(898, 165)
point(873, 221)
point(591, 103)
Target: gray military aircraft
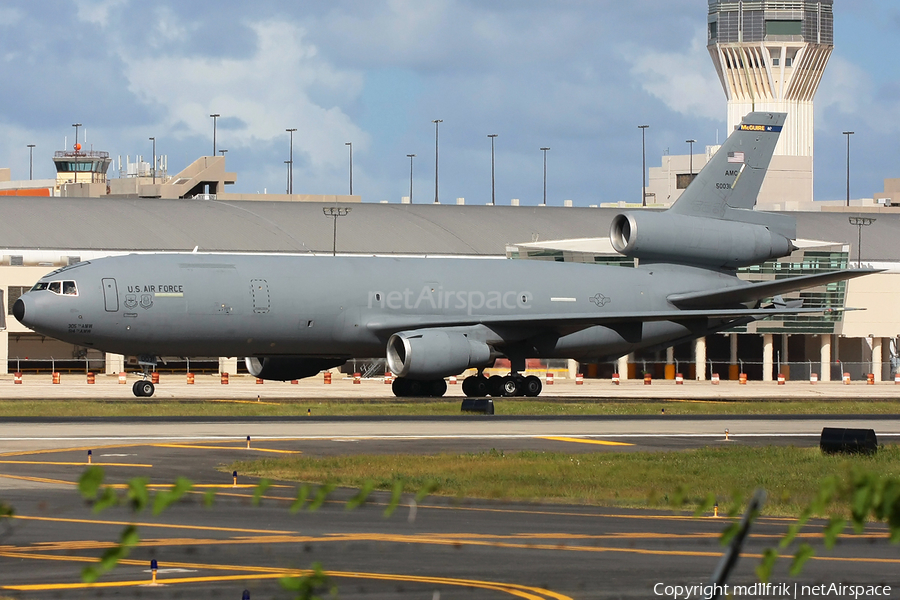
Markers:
point(293, 316)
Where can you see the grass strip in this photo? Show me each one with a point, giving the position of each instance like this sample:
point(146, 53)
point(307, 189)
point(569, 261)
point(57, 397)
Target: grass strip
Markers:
point(790, 475)
point(388, 407)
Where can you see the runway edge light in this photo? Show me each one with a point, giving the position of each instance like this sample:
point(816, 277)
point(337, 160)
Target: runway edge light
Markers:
point(248, 442)
point(90, 456)
point(234, 475)
point(245, 595)
point(153, 567)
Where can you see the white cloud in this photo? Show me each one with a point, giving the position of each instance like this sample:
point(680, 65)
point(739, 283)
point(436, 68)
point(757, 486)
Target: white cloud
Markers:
point(686, 82)
point(96, 11)
point(269, 90)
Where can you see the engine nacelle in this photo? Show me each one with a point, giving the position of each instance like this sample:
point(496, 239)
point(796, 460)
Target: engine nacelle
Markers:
point(673, 238)
point(287, 368)
point(433, 353)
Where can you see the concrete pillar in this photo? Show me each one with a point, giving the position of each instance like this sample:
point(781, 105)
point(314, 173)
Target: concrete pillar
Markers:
point(670, 363)
point(785, 367)
point(573, 367)
point(622, 367)
point(227, 365)
point(767, 357)
point(4, 352)
point(700, 358)
point(825, 358)
point(115, 363)
point(876, 359)
point(733, 369)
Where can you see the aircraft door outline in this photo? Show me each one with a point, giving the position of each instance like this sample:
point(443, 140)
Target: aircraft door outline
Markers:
point(110, 295)
point(259, 293)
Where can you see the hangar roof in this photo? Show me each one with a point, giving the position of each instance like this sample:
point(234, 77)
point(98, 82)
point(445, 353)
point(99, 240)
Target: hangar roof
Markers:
point(296, 227)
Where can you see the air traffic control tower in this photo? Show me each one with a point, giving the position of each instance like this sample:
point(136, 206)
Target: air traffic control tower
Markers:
point(770, 55)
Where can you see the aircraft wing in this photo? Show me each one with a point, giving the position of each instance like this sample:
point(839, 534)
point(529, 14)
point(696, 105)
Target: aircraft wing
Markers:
point(575, 321)
point(752, 292)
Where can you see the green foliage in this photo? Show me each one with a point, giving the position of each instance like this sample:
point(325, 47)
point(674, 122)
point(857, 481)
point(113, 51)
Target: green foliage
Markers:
point(309, 586)
point(396, 494)
point(302, 497)
point(360, 498)
point(164, 498)
point(260, 490)
point(128, 539)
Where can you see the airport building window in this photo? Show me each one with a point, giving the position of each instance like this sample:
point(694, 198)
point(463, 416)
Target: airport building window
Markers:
point(682, 180)
point(13, 293)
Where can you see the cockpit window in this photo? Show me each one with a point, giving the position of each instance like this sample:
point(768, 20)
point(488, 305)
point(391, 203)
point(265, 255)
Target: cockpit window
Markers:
point(65, 288)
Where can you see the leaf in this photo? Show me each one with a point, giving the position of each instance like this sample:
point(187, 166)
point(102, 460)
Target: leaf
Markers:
point(803, 554)
point(396, 494)
point(430, 487)
point(302, 496)
point(209, 497)
point(321, 496)
point(307, 585)
point(111, 557)
point(764, 569)
point(729, 533)
point(360, 498)
point(165, 498)
point(138, 494)
point(90, 481)
point(832, 531)
point(705, 506)
point(259, 490)
point(107, 498)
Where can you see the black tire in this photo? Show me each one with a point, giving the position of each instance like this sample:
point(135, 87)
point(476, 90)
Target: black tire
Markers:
point(437, 388)
point(532, 386)
point(399, 387)
point(495, 386)
point(416, 388)
point(509, 387)
point(135, 389)
point(145, 388)
point(467, 386)
point(479, 387)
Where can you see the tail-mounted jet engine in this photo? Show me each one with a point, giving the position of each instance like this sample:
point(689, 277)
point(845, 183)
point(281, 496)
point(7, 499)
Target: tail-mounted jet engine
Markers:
point(288, 368)
point(670, 237)
point(433, 353)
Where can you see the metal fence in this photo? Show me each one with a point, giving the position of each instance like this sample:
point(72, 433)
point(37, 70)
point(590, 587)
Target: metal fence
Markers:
point(801, 370)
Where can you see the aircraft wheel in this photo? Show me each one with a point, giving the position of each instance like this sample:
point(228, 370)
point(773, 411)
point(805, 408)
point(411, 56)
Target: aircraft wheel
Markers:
point(399, 387)
point(437, 388)
point(532, 386)
point(467, 386)
point(415, 388)
point(475, 386)
point(495, 385)
point(143, 389)
point(509, 386)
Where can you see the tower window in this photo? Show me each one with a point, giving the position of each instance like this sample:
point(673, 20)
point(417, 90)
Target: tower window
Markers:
point(783, 27)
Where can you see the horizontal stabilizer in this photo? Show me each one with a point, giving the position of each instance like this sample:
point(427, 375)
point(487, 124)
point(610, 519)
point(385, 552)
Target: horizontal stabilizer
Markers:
point(753, 292)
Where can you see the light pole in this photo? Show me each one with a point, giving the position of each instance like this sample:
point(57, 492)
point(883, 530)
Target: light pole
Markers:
point(215, 118)
point(351, 165)
point(848, 134)
point(436, 123)
point(153, 169)
point(334, 212)
point(290, 185)
point(643, 129)
point(411, 157)
point(860, 222)
point(544, 150)
point(691, 151)
point(30, 162)
point(287, 187)
point(222, 152)
point(76, 126)
point(492, 136)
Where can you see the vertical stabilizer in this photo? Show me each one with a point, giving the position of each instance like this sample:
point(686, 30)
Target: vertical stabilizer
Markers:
point(732, 178)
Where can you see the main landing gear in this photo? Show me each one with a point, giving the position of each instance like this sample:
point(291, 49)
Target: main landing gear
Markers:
point(497, 386)
point(407, 388)
point(143, 388)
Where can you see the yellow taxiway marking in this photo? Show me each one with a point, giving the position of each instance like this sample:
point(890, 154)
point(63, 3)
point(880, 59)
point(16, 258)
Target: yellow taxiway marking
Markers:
point(37, 479)
point(79, 449)
point(158, 525)
point(246, 402)
point(196, 446)
point(585, 441)
point(72, 464)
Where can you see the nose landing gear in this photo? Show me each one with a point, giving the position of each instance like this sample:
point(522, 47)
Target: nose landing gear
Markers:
point(143, 388)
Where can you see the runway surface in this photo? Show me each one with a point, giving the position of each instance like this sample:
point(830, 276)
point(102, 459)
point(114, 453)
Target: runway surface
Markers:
point(435, 548)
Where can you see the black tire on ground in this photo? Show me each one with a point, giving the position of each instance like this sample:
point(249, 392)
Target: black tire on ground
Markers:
point(495, 385)
point(510, 387)
point(135, 389)
point(399, 387)
point(145, 388)
point(416, 388)
point(437, 388)
point(532, 386)
point(479, 386)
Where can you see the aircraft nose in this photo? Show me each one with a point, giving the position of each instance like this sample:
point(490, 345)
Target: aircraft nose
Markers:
point(19, 310)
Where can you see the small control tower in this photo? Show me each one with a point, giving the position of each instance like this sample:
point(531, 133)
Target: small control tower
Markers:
point(770, 55)
point(80, 166)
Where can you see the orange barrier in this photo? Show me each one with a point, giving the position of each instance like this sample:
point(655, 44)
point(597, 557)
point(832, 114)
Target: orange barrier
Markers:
point(357, 378)
point(846, 378)
point(452, 380)
point(715, 379)
point(90, 378)
point(56, 378)
point(647, 379)
point(327, 377)
point(17, 378)
point(679, 379)
point(123, 378)
point(813, 378)
point(870, 379)
point(190, 378)
point(224, 379)
point(388, 377)
point(615, 379)
point(579, 379)
point(549, 378)
point(154, 378)
point(742, 379)
point(259, 381)
point(781, 379)
point(295, 381)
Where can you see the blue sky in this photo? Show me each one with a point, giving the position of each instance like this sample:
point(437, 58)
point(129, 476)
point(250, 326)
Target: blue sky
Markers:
point(575, 76)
